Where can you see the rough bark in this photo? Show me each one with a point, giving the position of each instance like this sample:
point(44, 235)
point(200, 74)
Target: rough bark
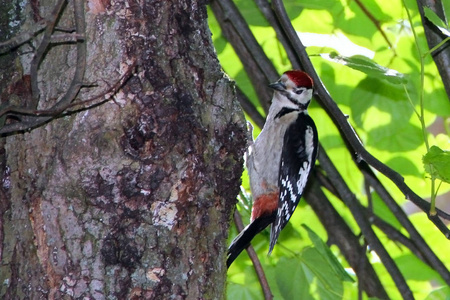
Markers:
point(131, 198)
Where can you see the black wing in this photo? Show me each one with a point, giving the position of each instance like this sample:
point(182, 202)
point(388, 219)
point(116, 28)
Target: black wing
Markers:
point(297, 160)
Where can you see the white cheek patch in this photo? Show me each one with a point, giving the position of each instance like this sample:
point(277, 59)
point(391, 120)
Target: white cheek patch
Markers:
point(306, 96)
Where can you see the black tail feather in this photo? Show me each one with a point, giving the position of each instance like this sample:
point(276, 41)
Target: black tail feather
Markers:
point(243, 239)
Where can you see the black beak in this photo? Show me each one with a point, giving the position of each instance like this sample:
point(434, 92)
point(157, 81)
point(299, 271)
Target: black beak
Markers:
point(279, 86)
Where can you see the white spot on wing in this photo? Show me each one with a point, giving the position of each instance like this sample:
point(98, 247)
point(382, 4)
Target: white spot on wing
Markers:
point(304, 170)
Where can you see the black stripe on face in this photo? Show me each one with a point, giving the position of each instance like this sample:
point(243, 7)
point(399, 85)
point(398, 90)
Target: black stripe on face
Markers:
point(284, 111)
point(300, 105)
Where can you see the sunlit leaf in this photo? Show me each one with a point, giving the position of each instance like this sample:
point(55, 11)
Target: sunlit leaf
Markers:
point(308, 277)
point(326, 253)
point(441, 293)
point(288, 272)
point(437, 163)
point(243, 291)
point(367, 66)
point(404, 137)
point(414, 268)
point(327, 282)
point(381, 209)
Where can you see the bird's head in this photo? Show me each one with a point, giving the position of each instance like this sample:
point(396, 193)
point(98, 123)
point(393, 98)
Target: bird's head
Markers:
point(294, 89)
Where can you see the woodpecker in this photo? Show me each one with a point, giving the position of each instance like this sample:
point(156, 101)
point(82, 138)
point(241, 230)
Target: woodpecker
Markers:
point(280, 160)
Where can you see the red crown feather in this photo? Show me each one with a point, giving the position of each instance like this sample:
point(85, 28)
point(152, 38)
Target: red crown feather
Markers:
point(300, 78)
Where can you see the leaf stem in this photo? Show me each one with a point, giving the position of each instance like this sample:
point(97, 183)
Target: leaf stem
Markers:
point(421, 115)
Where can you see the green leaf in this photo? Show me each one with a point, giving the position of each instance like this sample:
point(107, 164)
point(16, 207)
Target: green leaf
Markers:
point(326, 253)
point(404, 165)
point(291, 279)
point(382, 210)
point(441, 293)
point(367, 66)
point(437, 163)
point(243, 291)
point(405, 137)
point(415, 269)
point(434, 18)
point(328, 284)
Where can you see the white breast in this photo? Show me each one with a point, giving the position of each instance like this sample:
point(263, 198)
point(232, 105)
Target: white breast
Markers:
point(263, 161)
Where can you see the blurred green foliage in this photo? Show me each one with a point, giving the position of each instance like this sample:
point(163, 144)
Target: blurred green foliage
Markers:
point(372, 88)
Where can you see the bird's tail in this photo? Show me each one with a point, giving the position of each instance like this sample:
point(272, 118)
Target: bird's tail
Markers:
point(243, 239)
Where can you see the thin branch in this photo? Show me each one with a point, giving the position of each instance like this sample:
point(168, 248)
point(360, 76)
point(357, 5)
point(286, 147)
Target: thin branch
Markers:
point(257, 65)
point(76, 105)
point(401, 216)
point(40, 51)
point(371, 179)
point(396, 235)
point(423, 250)
point(369, 196)
point(325, 181)
point(66, 38)
point(21, 38)
point(235, 18)
point(77, 80)
point(255, 260)
point(38, 117)
point(270, 16)
point(376, 23)
point(26, 123)
point(358, 213)
point(340, 234)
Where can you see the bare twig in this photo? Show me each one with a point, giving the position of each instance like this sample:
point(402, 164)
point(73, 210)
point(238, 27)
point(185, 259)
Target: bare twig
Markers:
point(255, 260)
point(75, 106)
point(41, 50)
point(32, 121)
point(415, 243)
point(376, 23)
point(21, 38)
point(77, 80)
point(66, 38)
point(395, 235)
point(325, 181)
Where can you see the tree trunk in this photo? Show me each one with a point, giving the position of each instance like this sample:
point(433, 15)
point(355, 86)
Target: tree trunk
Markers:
point(129, 198)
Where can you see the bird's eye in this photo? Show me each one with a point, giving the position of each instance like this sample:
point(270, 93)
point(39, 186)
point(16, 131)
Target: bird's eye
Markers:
point(299, 91)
